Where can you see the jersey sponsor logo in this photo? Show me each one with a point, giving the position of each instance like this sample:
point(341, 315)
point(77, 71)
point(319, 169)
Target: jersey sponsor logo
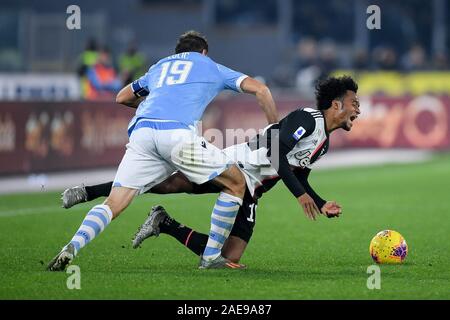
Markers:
point(303, 158)
point(299, 133)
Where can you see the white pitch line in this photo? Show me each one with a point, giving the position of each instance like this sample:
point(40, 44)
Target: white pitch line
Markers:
point(28, 211)
point(83, 206)
point(336, 159)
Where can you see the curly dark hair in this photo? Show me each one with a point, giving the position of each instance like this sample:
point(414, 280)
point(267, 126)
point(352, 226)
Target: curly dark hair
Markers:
point(191, 41)
point(332, 88)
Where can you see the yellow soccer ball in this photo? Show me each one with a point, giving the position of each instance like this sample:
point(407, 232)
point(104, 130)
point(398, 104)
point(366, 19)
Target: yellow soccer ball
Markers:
point(388, 246)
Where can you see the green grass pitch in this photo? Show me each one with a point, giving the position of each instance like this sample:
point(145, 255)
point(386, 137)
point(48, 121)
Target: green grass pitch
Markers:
point(289, 257)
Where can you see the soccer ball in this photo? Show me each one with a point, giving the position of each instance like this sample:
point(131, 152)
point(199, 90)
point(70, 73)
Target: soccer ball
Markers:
point(388, 246)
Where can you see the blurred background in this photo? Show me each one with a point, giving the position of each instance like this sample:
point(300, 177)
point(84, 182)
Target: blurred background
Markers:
point(57, 86)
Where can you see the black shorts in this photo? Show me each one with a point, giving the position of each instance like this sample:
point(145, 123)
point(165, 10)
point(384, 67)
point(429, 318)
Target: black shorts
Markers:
point(246, 217)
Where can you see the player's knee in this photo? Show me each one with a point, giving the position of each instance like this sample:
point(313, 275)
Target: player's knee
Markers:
point(118, 200)
point(114, 206)
point(240, 184)
point(237, 182)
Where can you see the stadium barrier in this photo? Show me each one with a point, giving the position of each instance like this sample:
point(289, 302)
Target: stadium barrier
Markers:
point(407, 122)
point(64, 87)
point(37, 137)
point(39, 87)
point(41, 137)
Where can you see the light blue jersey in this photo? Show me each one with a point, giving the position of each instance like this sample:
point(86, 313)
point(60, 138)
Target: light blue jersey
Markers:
point(181, 86)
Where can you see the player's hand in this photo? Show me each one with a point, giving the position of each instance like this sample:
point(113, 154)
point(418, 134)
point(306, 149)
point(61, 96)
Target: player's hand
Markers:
point(331, 209)
point(309, 206)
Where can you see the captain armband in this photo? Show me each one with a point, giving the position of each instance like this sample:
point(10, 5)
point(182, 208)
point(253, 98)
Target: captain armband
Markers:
point(138, 90)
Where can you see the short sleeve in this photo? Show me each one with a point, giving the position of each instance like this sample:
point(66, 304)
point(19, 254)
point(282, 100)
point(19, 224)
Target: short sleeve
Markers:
point(140, 86)
point(232, 79)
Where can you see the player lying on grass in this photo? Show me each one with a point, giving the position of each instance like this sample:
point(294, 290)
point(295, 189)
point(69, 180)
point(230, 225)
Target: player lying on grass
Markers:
point(302, 138)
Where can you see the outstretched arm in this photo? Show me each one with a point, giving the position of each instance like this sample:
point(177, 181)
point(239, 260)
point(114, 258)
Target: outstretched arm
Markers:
point(263, 95)
point(329, 208)
point(302, 176)
point(296, 126)
point(293, 184)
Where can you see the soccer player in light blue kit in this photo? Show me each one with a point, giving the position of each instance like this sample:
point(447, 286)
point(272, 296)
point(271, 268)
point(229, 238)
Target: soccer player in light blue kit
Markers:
point(171, 98)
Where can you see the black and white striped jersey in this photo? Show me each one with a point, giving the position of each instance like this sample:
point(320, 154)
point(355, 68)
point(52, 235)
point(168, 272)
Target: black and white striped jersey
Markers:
point(297, 141)
point(313, 144)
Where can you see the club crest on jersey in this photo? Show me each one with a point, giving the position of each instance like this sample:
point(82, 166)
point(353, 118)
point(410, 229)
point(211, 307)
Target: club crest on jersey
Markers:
point(299, 133)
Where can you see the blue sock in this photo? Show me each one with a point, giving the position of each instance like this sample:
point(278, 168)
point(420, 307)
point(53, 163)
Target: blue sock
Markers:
point(222, 220)
point(95, 222)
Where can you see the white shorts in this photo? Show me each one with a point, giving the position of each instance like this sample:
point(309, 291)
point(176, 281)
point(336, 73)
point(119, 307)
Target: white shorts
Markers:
point(158, 148)
point(253, 164)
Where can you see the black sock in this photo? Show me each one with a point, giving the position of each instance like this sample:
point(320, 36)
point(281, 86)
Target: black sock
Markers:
point(99, 190)
point(194, 241)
